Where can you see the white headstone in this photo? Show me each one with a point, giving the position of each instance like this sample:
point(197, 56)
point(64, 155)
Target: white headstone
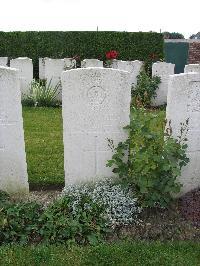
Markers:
point(133, 67)
point(192, 68)
point(25, 67)
point(42, 67)
point(91, 63)
point(13, 168)
point(96, 107)
point(53, 70)
point(163, 70)
point(3, 61)
point(69, 63)
point(183, 102)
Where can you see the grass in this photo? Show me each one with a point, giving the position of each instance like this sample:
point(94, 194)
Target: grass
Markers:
point(44, 144)
point(124, 254)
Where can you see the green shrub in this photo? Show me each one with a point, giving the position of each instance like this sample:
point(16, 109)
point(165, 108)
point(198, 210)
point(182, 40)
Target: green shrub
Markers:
point(145, 90)
point(29, 222)
point(154, 163)
point(85, 44)
point(19, 222)
point(42, 94)
point(60, 224)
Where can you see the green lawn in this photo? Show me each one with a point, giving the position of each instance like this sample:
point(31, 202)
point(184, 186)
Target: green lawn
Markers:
point(123, 254)
point(44, 145)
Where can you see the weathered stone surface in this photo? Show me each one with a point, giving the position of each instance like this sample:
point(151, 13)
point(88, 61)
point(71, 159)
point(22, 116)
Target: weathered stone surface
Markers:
point(3, 61)
point(163, 70)
point(192, 68)
point(183, 103)
point(91, 63)
point(42, 62)
point(96, 107)
point(53, 70)
point(69, 63)
point(133, 67)
point(25, 67)
point(13, 168)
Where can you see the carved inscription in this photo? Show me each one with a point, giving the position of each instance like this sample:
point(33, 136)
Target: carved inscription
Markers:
point(96, 95)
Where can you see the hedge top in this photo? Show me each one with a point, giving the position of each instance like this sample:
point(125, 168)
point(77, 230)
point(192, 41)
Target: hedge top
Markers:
point(145, 46)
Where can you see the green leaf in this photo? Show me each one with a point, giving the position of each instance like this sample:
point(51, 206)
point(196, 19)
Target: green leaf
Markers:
point(93, 239)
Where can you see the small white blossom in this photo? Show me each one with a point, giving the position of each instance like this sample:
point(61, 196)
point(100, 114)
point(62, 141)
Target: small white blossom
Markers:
point(120, 208)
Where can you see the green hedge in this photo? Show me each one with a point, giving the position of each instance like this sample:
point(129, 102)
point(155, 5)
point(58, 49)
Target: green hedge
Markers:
point(144, 46)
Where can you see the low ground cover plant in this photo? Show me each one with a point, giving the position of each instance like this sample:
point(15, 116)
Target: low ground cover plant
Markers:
point(119, 206)
point(19, 222)
point(42, 94)
point(83, 214)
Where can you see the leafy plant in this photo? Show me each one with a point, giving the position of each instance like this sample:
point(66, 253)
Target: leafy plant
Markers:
point(120, 207)
point(42, 94)
point(19, 222)
point(82, 214)
point(145, 90)
point(61, 224)
point(29, 222)
point(155, 159)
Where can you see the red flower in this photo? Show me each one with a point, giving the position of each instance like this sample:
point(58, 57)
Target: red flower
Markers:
point(111, 54)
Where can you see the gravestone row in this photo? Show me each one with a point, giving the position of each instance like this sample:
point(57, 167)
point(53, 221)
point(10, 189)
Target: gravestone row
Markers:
point(95, 109)
point(51, 69)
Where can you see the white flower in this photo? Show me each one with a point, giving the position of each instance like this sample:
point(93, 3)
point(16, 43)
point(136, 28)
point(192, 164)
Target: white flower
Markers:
point(120, 208)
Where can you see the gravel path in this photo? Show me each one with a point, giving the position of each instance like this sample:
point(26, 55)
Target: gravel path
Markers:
point(43, 197)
